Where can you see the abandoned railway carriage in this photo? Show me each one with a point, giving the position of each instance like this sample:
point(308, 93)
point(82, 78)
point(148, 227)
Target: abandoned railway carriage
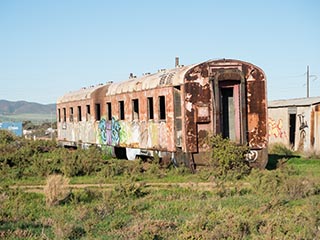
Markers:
point(170, 113)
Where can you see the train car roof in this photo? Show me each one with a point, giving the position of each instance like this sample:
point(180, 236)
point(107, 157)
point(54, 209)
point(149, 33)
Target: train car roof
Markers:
point(81, 94)
point(164, 77)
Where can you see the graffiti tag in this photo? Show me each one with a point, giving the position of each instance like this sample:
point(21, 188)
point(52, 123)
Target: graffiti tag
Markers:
point(252, 156)
point(102, 131)
point(115, 131)
point(276, 128)
point(303, 125)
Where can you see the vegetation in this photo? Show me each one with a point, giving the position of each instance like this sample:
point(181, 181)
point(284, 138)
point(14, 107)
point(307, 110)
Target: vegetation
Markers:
point(146, 201)
point(227, 158)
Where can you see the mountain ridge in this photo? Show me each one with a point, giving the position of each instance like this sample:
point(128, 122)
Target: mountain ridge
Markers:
point(24, 107)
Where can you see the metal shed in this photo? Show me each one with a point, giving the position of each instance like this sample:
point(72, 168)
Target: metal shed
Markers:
point(295, 123)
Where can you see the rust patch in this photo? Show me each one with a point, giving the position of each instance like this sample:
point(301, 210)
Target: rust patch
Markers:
point(229, 76)
point(197, 103)
point(312, 129)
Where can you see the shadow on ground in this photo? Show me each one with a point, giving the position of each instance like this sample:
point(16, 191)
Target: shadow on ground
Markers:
point(274, 159)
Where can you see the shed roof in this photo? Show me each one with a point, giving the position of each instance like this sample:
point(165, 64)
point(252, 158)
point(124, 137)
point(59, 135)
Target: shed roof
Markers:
point(295, 102)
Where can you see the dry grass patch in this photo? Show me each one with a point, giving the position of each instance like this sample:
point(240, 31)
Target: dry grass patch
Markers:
point(56, 189)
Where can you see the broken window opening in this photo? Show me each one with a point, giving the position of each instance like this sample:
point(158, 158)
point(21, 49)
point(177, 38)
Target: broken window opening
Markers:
point(121, 110)
point(162, 108)
point(71, 114)
point(150, 108)
point(64, 115)
point(59, 115)
point(88, 112)
point(135, 109)
point(98, 112)
point(109, 111)
point(79, 114)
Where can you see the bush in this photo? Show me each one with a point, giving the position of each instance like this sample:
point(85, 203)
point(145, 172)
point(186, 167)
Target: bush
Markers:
point(82, 162)
point(56, 190)
point(7, 137)
point(65, 224)
point(228, 158)
point(280, 149)
point(130, 190)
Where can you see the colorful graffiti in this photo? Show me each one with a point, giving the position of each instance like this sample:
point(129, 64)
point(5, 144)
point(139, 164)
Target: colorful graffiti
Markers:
point(115, 132)
point(102, 136)
point(276, 128)
point(132, 135)
point(303, 125)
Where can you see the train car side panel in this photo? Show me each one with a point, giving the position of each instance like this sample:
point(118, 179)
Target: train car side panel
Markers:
point(151, 127)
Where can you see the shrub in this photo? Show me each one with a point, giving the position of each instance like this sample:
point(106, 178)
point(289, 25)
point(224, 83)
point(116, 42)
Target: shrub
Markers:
point(280, 149)
point(85, 195)
point(56, 189)
point(228, 158)
point(65, 224)
point(82, 162)
point(130, 190)
point(282, 183)
point(7, 137)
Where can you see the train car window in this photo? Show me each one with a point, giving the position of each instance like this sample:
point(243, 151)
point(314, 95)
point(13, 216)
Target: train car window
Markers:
point(109, 111)
point(79, 114)
point(135, 109)
point(121, 110)
point(162, 108)
point(64, 115)
point(177, 102)
point(59, 115)
point(71, 114)
point(150, 108)
point(98, 112)
point(88, 112)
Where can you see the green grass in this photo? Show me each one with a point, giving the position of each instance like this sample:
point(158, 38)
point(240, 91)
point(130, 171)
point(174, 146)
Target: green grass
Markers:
point(310, 167)
point(281, 202)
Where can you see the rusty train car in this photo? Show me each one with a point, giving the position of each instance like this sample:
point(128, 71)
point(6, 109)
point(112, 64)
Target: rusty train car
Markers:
point(170, 113)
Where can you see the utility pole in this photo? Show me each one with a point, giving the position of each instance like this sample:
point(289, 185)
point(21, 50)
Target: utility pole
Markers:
point(307, 81)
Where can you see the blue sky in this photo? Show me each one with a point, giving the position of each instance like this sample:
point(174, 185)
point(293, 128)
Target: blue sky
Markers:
point(48, 48)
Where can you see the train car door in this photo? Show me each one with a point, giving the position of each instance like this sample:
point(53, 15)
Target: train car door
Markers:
point(230, 121)
point(230, 105)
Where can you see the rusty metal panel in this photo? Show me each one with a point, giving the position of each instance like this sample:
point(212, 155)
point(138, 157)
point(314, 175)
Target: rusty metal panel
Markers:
point(257, 116)
point(200, 96)
point(197, 104)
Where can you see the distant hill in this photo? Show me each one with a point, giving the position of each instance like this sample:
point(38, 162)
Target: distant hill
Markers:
point(23, 107)
point(27, 111)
